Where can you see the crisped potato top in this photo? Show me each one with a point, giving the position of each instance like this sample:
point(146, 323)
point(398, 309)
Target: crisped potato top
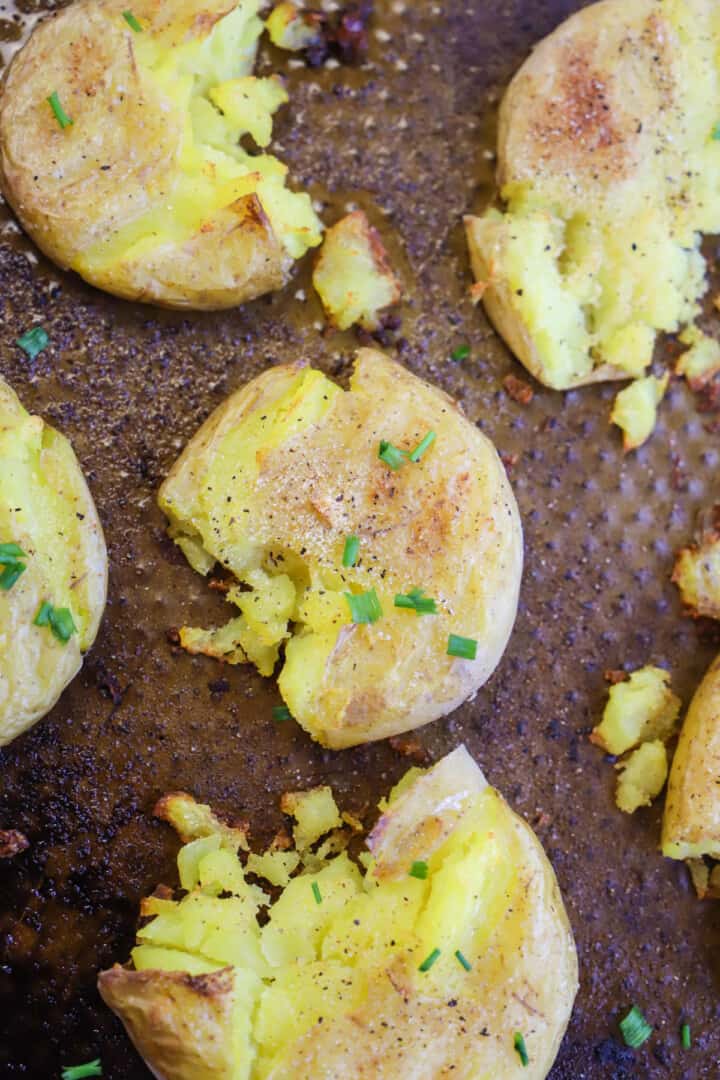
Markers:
point(146, 190)
point(609, 166)
point(277, 481)
point(427, 964)
point(46, 512)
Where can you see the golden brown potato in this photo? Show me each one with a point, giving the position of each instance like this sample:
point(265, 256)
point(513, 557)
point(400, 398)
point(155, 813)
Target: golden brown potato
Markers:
point(691, 825)
point(609, 173)
point(146, 191)
point(452, 942)
point(53, 567)
point(276, 485)
point(697, 568)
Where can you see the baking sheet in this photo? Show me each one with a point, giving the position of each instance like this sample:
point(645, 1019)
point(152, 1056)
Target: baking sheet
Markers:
point(408, 136)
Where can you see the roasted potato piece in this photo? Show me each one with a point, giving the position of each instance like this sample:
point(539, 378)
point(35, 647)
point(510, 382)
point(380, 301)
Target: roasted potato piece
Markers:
point(642, 776)
point(691, 824)
point(53, 567)
point(280, 480)
point(387, 974)
point(701, 363)
point(697, 568)
point(641, 709)
point(353, 276)
point(292, 28)
point(146, 190)
point(608, 172)
point(635, 410)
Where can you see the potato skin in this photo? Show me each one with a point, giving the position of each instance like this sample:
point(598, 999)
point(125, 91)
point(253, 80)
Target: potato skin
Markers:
point(691, 823)
point(449, 525)
point(60, 532)
point(73, 188)
point(409, 1026)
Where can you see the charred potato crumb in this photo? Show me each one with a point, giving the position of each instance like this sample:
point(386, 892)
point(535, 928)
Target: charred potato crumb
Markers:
point(214, 993)
point(353, 276)
point(148, 192)
point(635, 410)
point(292, 28)
point(641, 709)
point(47, 513)
point(608, 173)
point(276, 481)
point(642, 776)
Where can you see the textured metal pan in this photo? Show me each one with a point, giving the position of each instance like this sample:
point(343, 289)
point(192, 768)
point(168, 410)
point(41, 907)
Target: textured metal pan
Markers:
point(407, 136)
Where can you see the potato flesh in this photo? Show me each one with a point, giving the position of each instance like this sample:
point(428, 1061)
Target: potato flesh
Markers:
point(697, 575)
point(635, 410)
point(315, 814)
point(641, 709)
point(353, 276)
point(701, 361)
point(601, 232)
point(314, 962)
point(642, 776)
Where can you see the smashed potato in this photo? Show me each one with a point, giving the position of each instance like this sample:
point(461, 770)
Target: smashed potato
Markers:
point(353, 276)
point(53, 567)
point(640, 709)
point(609, 174)
point(134, 174)
point(453, 940)
point(691, 823)
point(635, 410)
point(390, 582)
point(697, 569)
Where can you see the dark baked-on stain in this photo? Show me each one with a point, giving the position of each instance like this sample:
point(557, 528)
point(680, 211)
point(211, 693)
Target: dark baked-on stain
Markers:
point(403, 137)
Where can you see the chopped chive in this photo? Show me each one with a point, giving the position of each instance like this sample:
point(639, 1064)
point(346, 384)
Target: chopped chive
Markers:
point(464, 647)
point(462, 960)
point(429, 960)
point(391, 455)
point(419, 869)
point(352, 550)
point(281, 713)
point(60, 115)
point(316, 892)
point(416, 601)
point(79, 1072)
point(422, 446)
point(461, 353)
point(685, 1038)
point(132, 22)
point(10, 553)
point(10, 574)
point(33, 341)
point(364, 607)
point(519, 1044)
point(59, 620)
point(716, 132)
point(635, 1028)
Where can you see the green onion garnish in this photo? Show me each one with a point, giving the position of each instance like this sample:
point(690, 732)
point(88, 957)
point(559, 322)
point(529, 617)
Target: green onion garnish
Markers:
point(316, 892)
point(519, 1044)
point(461, 353)
point(716, 132)
point(429, 960)
point(33, 341)
point(462, 960)
point(391, 455)
point(60, 115)
point(364, 607)
point(59, 620)
point(416, 601)
point(464, 647)
point(11, 561)
point(635, 1028)
point(281, 713)
point(422, 446)
point(685, 1037)
point(10, 553)
point(132, 22)
point(79, 1072)
point(419, 869)
point(10, 574)
point(352, 550)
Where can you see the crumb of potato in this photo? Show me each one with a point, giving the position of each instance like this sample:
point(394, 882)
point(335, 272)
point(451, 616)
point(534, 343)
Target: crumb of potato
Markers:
point(519, 390)
point(642, 776)
point(353, 275)
point(640, 709)
point(697, 569)
point(635, 410)
point(701, 361)
point(12, 842)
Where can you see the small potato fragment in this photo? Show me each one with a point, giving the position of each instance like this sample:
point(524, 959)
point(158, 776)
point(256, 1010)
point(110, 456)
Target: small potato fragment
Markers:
point(635, 410)
point(353, 276)
point(315, 814)
point(641, 709)
point(701, 362)
point(642, 776)
point(697, 569)
point(291, 28)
